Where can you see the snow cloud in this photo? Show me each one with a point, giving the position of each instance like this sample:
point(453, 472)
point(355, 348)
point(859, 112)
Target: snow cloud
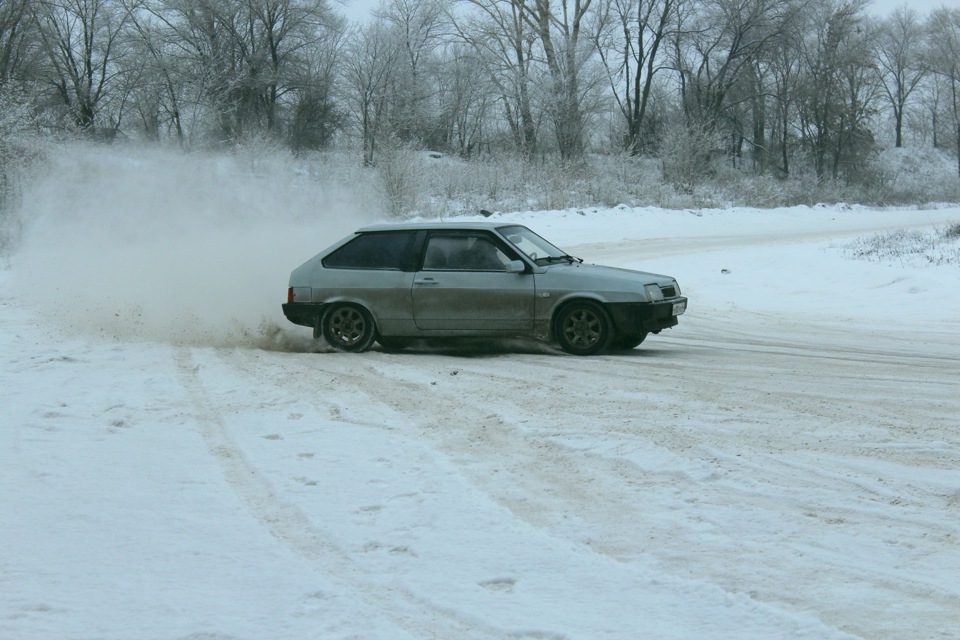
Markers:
point(171, 247)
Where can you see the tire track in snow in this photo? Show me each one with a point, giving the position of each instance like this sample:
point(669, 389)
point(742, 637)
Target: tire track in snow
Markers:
point(471, 431)
point(530, 431)
point(288, 524)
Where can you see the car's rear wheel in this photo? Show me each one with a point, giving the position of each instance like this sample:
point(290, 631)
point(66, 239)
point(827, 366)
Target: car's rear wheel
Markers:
point(348, 327)
point(583, 328)
point(628, 341)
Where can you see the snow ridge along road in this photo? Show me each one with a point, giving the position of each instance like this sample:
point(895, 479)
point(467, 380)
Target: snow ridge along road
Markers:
point(783, 464)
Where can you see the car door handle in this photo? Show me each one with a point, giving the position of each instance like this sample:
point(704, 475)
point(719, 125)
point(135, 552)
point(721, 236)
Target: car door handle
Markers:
point(425, 281)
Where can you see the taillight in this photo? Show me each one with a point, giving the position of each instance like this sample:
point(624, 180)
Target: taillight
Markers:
point(289, 294)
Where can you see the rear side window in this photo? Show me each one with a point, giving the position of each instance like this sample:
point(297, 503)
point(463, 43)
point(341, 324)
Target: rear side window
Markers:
point(388, 250)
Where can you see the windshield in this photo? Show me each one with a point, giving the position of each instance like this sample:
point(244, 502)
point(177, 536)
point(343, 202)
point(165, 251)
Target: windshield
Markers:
point(533, 246)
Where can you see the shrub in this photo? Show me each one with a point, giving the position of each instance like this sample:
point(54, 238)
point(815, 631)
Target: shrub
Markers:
point(400, 168)
point(952, 231)
point(911, 247)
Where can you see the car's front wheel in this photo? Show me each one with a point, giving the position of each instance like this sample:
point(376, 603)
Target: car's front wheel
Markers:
point(583, 328)
point(348, 327)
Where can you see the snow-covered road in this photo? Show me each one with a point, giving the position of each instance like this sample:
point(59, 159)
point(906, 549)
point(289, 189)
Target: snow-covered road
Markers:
point(783, 464)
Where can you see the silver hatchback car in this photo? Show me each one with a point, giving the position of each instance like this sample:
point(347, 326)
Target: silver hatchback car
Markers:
point(394, 283)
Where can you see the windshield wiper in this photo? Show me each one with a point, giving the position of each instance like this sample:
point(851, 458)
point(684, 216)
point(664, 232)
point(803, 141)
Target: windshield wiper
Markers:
point(564, 257)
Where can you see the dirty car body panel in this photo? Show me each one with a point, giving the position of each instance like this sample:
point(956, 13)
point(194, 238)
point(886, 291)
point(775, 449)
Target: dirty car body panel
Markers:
point(392, 282)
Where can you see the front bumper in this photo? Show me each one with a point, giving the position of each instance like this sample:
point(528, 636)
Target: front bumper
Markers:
point(634, 318)
point(304, 314)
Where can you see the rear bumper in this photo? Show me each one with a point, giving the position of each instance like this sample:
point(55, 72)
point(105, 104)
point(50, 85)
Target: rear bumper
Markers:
point(304, 314)
point(634, 318)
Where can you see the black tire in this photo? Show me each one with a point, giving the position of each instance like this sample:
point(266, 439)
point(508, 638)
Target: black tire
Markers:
point(583, 328)
point(627, 342)
point(348, 327)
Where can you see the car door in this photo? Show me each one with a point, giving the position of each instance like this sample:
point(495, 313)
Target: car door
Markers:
point(463, 286)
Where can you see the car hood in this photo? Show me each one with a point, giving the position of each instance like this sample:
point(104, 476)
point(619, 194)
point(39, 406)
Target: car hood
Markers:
point(599, 273)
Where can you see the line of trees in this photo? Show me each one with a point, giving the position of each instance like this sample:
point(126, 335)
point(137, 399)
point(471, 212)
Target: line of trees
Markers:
point(771, 86)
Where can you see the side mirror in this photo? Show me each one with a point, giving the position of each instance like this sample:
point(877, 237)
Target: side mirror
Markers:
point(515, 266)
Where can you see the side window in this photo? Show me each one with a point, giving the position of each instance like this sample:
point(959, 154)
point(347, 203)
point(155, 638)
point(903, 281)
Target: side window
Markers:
point(463, 253)
point(387, 250)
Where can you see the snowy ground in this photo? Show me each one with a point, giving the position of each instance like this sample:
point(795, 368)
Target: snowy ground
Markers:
point(783, 464)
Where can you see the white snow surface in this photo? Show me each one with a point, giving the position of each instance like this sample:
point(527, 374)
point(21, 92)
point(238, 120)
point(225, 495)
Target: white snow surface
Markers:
point(785, 463)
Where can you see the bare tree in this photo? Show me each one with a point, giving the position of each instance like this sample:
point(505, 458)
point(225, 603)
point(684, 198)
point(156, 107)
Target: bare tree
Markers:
point(82, 40)
point(17, 53)
point(900, 68)
point(317, 115)
point(631, 36)
point(372, 59)
point(931, 96)
point(504, 46)
point(248, 58)
point(559, 27)
point(944, 33)
point(504, 43)
point(785, 70)
point(199, 36)
point(418, 27)
point(837, 90)
point(724, 38)
point(159, 91)
point(724, 53)
point(464, 99)
point(284, 35)
point(17, 38)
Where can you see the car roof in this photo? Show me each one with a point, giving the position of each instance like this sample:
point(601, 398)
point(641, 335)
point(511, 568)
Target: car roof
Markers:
point(441, 226)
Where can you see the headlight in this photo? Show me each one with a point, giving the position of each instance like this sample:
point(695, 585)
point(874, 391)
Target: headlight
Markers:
point(653, 292)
